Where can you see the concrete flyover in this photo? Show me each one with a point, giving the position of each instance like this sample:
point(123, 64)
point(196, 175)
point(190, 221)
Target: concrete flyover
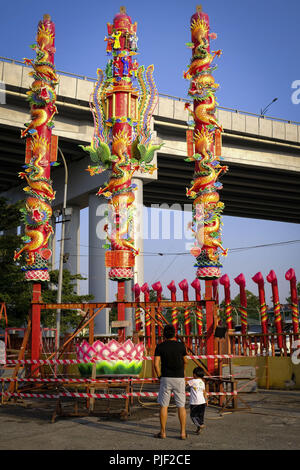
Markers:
point(263, 154)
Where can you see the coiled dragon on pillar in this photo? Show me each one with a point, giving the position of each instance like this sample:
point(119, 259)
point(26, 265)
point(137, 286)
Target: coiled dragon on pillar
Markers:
point(37, 211)
point(206, 145)
point(122, 138)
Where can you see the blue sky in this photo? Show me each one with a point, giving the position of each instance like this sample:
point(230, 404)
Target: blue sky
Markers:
point(260, 61)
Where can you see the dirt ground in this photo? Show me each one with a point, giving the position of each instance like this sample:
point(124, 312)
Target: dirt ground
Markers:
point(271, 423)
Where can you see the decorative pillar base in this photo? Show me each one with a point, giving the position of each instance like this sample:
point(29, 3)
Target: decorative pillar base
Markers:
point(120, 274)
point(37, 275)
point(208, 273)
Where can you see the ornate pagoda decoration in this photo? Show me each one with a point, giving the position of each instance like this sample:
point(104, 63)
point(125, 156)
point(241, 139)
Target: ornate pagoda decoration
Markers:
point(122, 103)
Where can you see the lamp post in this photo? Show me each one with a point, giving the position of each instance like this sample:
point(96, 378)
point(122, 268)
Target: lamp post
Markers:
point(263, 111)
point(62, 246)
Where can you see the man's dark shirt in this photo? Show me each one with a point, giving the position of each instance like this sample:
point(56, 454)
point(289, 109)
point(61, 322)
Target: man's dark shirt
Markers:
point(171, 355)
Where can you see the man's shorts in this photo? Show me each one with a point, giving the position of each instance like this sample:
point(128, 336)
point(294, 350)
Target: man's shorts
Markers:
point(169, 385)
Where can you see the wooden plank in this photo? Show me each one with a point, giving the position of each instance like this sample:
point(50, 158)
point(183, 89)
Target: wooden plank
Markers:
point(120, 324)
point(12, 385)
point(143, 305)
point(83, 324)
point(152, 332)
point(91, 401)
point(91, 328)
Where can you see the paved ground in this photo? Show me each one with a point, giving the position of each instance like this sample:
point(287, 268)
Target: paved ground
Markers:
point(273, 423)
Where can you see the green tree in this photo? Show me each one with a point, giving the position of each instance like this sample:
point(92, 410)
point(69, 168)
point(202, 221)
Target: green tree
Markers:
point(288, 299)
point(252, 306)
point(167, 312)
point(69, 318)
point(16, 292)
point(113, 313)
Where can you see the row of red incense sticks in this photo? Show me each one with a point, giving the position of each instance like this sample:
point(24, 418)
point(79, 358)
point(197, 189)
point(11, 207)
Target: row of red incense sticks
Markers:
point(225, 282)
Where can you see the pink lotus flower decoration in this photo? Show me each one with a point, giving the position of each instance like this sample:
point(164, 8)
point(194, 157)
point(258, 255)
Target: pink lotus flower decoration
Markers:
point(111, 357)
point(111, 351)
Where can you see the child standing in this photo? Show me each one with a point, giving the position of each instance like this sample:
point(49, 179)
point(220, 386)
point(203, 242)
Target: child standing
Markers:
point(198, 399)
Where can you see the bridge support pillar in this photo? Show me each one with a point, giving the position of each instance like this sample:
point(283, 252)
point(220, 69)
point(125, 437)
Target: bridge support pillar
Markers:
point(138, 231)
point(72, 241)
point(129, 312)
point(98, 279)
point(98, 275)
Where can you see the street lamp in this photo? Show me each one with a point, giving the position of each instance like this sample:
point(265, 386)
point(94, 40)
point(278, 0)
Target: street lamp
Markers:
point(263, 111)
point(61, 256)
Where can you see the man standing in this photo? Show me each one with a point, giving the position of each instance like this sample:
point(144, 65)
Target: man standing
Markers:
point(170, 356)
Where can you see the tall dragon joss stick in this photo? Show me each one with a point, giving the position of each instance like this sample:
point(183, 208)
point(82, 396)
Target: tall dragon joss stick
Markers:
point(259, 280)
point(204, 148)
point(41, 153)
point(291, 276)
point(122, 138)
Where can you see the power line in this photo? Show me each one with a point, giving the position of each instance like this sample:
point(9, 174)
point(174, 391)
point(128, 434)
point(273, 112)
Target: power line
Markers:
point(166, 269)
point(289, 242)
point(184, 253)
